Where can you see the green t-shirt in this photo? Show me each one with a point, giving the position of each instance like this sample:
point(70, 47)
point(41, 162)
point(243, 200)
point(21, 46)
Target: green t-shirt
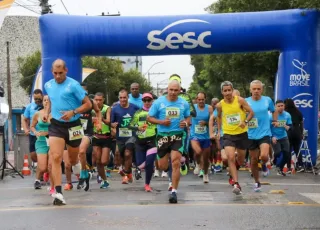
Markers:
point(139, 119)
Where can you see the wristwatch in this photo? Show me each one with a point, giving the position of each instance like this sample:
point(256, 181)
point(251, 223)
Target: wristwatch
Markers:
point(75, 112)
point(246, 121)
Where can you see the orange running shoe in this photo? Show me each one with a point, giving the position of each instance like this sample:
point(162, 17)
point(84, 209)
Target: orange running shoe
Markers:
point(68, 187)
point(147, 188)
point(125, 180)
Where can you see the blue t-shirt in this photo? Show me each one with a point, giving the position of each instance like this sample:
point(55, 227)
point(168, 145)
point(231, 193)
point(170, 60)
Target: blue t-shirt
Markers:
point(197, 131)
point(176, 111)
point(259, 126)
point(30, 111)
point(123, 116)
point(137, 101)
point(215, 114)
point(64, 97)
point(280, 132)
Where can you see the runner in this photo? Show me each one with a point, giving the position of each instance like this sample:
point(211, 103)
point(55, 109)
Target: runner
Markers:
point(135, 97)
point(200, 140)
point(102, 139)
point(145, 147)
point(280, 141)
point(172, 115)
point(232, 116)
point(28, 114)
point(121, 116)
point(87, 124)
point(41, 144)
point(67, 101)
point(259, 130)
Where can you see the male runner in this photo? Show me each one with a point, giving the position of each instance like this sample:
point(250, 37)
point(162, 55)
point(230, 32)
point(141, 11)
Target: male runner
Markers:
point(280, 141)
point(102, 139)
point(121, 116)
point(135, 97)
point(232, 116)
point(145, 146)
point(28, 114)
point(199, 137)
point(172, 115)
point(259, 130)
point(87, 124)
point(67, 101)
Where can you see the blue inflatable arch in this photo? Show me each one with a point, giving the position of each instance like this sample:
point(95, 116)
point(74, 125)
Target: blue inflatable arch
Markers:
point(295, 33)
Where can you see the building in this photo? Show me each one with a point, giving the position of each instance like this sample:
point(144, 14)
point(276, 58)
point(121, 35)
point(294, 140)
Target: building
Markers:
point(130, 62)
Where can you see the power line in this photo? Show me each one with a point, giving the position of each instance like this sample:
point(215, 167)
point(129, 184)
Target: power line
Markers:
point(64, 6)
point(26, 7)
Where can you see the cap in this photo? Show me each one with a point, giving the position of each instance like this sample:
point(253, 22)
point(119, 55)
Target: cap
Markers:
point(147, 95)
point(175, 77)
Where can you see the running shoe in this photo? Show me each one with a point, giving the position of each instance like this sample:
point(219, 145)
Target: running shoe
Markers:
point(68, 187)
point(184, 170)
point(257, 187)
point(236, 189)
point(156, 173)
point(173, 198)
point(104, 184)
point(164, 174)
point(205, 178)
point(196, 170)
point(201, 173)
point(125, 180)
point(280, 173)
point(147, 188)
point(231, 181)
point(37, 184)
point(137, 174)
point(58, 199)
point(46, 177)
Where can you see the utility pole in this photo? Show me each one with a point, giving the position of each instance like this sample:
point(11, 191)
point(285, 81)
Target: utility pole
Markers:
point(137, 63)
point(10, 133)
point(149, 74)
point(45, 7)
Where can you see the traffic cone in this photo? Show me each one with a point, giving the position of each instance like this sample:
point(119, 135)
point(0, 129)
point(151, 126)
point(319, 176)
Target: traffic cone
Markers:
point(25, 170)
point(285, 169)
point(293, 170)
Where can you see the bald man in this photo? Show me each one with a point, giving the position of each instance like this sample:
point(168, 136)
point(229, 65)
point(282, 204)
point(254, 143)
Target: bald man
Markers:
point(171, 113)
point(67, 101)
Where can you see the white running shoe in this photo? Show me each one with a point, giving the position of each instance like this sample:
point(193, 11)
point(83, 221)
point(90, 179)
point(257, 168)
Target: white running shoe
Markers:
point(58, 199)
point(196, 170)
point(205, 178)
point(164, 174)
point(156, 173)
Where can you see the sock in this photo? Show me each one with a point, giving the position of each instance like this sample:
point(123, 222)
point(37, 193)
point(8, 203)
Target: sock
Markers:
point(174, 190)
point(59, 189)
point(149, 167)
point(37, 180)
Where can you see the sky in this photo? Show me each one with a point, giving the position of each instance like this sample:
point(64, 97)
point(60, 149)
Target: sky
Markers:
point(179, 64)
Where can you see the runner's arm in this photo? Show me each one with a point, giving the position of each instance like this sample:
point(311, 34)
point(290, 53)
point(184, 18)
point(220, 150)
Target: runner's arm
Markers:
point(134, 122)
point(97, 111)
point(211, 123)
point(219, 110)
point(193, 111)
point(246, 107)
point(107, 118)
point(154, 120)
point(34, 123)
point(86, 105)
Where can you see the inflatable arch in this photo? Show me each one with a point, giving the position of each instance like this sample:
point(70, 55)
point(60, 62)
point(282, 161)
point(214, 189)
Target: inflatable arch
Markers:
point(295, 33)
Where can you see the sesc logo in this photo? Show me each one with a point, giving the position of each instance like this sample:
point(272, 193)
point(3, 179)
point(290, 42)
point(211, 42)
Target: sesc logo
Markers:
point(188, 40)
point(301, 102)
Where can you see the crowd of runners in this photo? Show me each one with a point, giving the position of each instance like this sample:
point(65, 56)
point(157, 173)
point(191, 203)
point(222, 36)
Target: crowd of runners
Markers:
point(142, 133)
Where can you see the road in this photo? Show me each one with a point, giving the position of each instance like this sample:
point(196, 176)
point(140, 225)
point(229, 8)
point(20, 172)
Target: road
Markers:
point(210, 206)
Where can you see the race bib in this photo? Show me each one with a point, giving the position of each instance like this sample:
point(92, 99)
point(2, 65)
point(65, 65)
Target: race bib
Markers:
point(253, 123)
point(198, 129)
point(282, 123)
point(84, 123)
point(141, 133)
point(124, 132)
point(233, 119)
point(172, 112)
point(47, 141)
point(76, 133)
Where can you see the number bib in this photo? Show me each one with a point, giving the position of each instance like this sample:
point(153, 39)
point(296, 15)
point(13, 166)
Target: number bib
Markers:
point(233, 119)
point(124, 132)
point(141, 133)
point(198, 129)
point(172, 112)
point(282, 123)
point(84, 123)
point(76, 133)
point(253, 123)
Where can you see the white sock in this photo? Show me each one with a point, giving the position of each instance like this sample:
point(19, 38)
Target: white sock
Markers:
point(174, 190)
point(37, 180)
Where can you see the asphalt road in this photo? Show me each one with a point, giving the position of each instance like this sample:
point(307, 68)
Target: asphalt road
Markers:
point(291, 202)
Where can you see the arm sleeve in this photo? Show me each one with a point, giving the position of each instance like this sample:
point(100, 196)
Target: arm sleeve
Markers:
point(26, 113)
point(271, 105)
point(153, 110)
point(187, 111)
point(134, 121)
point(79, 92)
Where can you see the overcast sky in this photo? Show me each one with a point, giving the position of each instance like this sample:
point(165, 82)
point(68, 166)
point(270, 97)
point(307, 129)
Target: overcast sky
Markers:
point(171, 64)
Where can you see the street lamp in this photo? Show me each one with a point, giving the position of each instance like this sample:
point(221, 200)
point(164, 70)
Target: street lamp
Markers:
point(151, 68)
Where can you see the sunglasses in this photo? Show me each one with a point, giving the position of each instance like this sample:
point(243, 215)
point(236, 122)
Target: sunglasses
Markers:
point(147, 100)
point(38, 99)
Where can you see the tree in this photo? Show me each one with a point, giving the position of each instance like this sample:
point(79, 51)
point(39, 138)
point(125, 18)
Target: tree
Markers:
point(28, 67)
point(108, 79)
point(241, 69)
